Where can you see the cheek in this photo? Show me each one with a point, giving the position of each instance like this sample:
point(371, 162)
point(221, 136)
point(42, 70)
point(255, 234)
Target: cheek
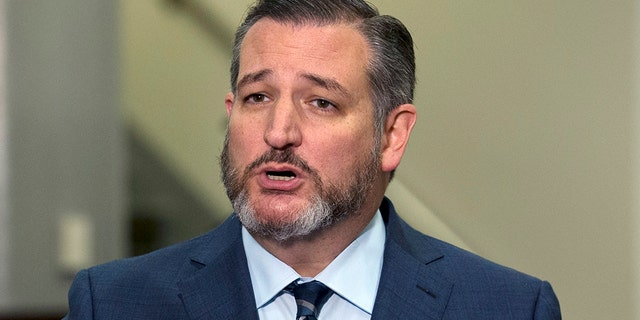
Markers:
point(339, 155)
point(243, 142)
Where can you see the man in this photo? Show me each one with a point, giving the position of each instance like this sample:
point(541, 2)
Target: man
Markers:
point(320, 113)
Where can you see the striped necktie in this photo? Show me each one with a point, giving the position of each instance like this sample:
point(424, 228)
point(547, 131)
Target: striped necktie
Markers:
point(310, 297)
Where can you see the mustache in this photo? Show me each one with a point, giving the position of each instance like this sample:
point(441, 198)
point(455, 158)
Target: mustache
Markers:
point(282, 156)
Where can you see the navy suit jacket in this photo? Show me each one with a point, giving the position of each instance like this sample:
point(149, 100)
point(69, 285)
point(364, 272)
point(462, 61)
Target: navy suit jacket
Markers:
point(207, 278)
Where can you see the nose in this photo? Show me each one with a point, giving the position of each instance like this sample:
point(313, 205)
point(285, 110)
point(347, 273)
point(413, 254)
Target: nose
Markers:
point(283, 129)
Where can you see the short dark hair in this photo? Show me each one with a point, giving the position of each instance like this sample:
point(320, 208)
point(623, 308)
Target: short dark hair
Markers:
point(391, 69)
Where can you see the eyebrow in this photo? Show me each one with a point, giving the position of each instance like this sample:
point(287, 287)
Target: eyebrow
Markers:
point(327, 83)
point(254, 77)
point(324, 82)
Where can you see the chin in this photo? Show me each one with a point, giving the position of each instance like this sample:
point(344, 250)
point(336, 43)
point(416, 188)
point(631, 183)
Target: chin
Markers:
point(283, 220)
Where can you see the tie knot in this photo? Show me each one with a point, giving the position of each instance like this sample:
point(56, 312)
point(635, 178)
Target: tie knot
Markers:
point(310, 297)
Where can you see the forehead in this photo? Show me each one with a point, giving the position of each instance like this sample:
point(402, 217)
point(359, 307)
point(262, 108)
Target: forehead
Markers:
point(338, 49)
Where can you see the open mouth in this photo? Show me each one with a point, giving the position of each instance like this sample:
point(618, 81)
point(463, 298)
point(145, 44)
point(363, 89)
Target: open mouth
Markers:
point(281, 175)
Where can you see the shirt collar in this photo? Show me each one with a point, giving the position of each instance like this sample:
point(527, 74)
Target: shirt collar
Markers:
point(345, 275)
point(268, 274)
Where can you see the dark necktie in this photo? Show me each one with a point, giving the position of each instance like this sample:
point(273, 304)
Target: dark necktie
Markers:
point(310, 297)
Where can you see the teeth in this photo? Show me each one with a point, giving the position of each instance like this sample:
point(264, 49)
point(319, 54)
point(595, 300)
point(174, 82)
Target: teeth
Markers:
point(280, 178)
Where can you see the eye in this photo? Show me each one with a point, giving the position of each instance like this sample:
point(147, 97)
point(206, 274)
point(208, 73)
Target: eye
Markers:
point(322, 104)
point(256, 98)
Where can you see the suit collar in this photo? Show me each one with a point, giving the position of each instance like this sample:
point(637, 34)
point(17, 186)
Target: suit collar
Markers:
point(215, 283)
point(412, 284)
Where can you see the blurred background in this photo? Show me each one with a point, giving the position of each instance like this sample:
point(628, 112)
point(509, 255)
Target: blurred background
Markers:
point(527, 149)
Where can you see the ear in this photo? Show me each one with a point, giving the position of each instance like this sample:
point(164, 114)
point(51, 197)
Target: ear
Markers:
point(396, 134)
point(228, 102)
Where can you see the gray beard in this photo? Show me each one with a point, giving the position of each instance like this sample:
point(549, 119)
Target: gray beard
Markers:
point(329, 205)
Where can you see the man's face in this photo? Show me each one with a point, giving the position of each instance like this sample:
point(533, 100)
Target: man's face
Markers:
point(300, 150)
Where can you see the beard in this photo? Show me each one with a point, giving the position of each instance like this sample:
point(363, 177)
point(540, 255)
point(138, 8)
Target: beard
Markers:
point(329, 204)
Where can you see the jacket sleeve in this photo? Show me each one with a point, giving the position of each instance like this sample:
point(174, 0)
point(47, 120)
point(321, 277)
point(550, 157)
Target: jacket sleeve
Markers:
point(80, 299)
point(547, 306)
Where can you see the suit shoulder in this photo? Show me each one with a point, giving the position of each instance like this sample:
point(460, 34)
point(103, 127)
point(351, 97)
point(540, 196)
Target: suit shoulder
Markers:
point(466, 279)
point(149, 286)
point(458, 264)
point(167, 262)
point(465, 262)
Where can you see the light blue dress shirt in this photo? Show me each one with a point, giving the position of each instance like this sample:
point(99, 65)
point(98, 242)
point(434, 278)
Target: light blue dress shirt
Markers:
point(353, 275)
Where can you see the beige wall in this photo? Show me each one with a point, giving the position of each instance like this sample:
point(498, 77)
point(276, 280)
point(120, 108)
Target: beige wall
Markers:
point(526, 150)
point(63, 146)
point(174, 78)
point(635, 223)
point(528, 137)
point(4, 163)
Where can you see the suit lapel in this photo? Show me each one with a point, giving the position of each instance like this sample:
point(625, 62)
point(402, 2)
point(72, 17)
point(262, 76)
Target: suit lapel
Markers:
point(412, 285)
point(216, 283)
